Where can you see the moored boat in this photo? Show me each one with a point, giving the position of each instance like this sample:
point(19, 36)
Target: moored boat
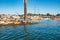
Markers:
point(47, 19)
point(56, 18)
point(36, 18)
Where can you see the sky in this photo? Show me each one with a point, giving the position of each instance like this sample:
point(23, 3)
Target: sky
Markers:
point(17, 6)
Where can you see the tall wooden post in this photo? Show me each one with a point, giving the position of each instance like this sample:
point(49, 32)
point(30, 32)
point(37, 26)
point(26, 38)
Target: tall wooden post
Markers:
point(25, 11)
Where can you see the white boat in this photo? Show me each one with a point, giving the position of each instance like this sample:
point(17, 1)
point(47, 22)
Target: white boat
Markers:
point(47, 19)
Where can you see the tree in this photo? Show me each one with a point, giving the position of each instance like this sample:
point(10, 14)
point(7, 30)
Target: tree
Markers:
point(29, 14)
point(39, 14)
point(48, 14)
point(58, 15)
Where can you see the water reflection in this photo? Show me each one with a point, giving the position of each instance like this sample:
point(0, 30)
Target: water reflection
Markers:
point(25, 29)
point(26, 32)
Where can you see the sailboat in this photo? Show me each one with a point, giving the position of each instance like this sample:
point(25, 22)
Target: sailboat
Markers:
point(36, 17)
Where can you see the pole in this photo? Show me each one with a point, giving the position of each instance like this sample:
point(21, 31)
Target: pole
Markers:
point(34, 8)
point(25, 11)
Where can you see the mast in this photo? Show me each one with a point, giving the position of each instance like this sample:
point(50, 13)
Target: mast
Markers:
point(34, 8)
point(25, 11)
point(39, 11)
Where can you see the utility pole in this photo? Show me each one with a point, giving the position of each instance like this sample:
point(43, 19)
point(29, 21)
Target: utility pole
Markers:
point(25, 11)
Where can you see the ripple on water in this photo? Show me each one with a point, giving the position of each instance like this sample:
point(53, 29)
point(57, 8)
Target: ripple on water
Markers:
point(45, 30)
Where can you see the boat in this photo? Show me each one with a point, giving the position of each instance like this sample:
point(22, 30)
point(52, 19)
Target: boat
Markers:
point(56, 18)
point(47, 19)
point(16, 21)
point(36, 18)
point(8, 21)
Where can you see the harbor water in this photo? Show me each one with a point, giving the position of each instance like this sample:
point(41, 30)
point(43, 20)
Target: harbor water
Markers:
point(43, 30)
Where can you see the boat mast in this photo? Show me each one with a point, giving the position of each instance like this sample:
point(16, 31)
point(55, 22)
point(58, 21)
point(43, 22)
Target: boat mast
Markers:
point(39, 11)
point(25, 11)
point(34, 8)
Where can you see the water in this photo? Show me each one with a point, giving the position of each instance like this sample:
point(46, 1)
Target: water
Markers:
point(44, 30)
